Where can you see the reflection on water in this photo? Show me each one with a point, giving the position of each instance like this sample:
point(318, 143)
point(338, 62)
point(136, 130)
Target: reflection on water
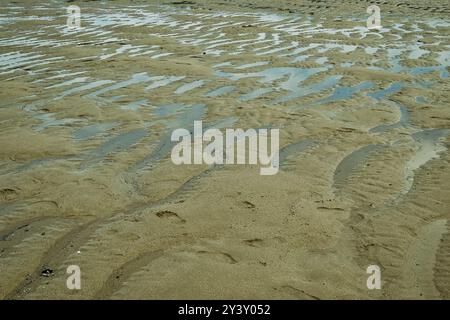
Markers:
point(190, 86)
point(343, 93)
point(220, 91)
point(93, 130)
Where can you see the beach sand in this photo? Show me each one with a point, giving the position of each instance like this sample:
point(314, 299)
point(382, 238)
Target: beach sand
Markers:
point(87, 179)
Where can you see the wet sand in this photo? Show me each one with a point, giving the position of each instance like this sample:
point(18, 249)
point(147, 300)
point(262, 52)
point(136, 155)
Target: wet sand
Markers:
point(86, 176)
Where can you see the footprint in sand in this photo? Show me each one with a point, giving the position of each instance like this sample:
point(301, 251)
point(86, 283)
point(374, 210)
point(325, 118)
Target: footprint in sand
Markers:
point(171, 216)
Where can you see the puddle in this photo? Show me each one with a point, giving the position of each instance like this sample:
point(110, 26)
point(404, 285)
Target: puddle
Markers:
point(422, 70)
point(300, 58)
point(184, 119)
point(85, 87)
point(429, 149)
point(344, 48)
point(429, 146)
point(135, 79)
point(190, 86)
point(321, 60)
point(421, 100)
point(393, 88)
point(163, 82)
point(93, 130)
point(393, 56)
point(25, 62)
point(168, 109)
point(222, 64)
point(48, 120)
point(160, 55)
point(134, 106)
point(118, 51)
point(293, 45)
point(416, 52)
point(370, 50)
point(122, 142)
point(296, 75)
point(255, 94)
point(220, 91)
point(315, 88)
point(343, 93)
point(301, 50)
point(14, 60)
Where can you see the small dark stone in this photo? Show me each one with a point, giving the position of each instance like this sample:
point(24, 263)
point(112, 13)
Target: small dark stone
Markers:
point(47, 272)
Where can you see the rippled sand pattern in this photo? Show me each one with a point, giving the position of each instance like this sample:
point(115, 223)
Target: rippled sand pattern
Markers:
point(86, 177)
